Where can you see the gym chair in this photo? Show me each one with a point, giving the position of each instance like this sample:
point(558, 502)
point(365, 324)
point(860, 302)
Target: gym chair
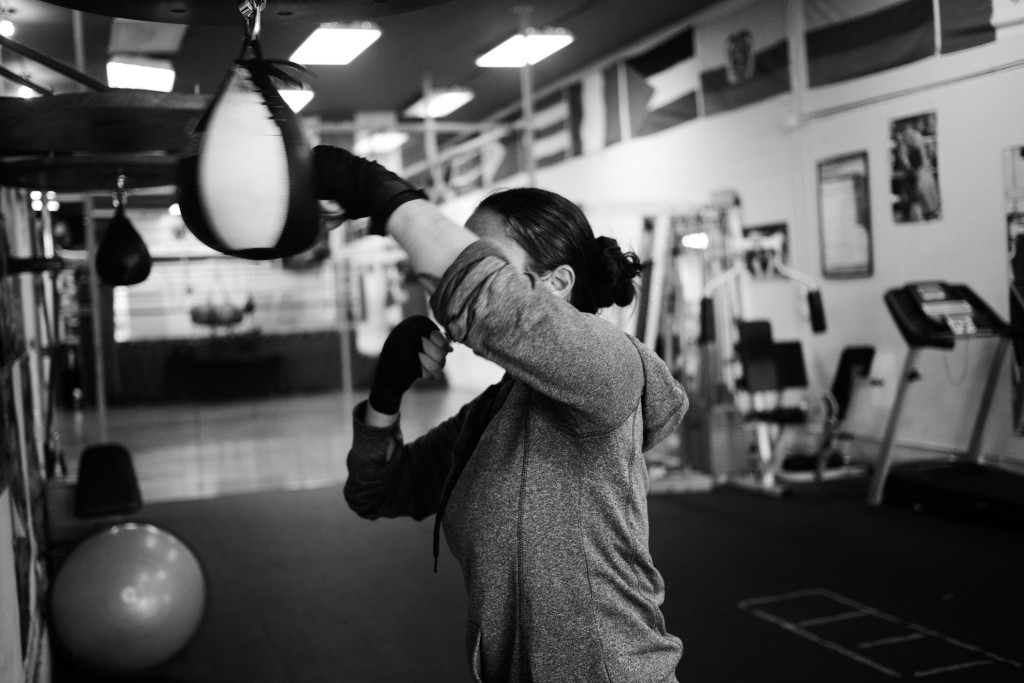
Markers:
point(769, 369)
point(829, 460)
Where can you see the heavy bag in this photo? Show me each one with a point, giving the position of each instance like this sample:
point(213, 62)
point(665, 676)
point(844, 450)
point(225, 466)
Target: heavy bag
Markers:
point(245, 180)
point(122, 257)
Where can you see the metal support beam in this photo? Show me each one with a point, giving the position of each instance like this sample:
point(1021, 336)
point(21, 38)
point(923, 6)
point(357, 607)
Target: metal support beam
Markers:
point(54, 64)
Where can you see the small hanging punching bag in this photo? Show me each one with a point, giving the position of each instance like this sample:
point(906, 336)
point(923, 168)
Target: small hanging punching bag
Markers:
point(245, 180)
point(122, 257)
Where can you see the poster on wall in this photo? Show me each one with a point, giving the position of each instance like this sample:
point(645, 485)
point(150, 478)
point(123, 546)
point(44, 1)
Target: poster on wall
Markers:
point(766, 244)
point(1013, 185)
point(844, 216)
point(913, 144)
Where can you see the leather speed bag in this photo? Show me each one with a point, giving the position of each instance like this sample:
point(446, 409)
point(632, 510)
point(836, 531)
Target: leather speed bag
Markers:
point(122, 257)
point(245, 182)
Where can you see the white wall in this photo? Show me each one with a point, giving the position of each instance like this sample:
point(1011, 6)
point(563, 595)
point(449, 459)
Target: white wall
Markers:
point(768, 153)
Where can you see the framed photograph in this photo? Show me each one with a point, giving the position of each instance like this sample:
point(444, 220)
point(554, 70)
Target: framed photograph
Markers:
point(769, 244)
point(913, 145)
point(844, 216)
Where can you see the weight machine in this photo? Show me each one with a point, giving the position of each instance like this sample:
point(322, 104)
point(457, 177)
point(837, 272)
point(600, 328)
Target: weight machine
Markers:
point(739, 357)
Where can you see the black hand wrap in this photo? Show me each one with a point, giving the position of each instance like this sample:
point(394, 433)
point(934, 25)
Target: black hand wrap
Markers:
point(399, 363)
point(362, 187)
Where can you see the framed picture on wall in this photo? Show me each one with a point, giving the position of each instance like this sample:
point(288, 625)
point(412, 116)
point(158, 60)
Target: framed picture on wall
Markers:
point(844, 216)
point(913, 145)
point(767, 243)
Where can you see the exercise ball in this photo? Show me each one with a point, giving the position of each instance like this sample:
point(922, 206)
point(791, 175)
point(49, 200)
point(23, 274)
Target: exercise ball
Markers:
point(127, 599)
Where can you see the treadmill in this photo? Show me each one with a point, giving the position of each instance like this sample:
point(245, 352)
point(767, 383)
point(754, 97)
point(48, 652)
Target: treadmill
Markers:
point(936, 314)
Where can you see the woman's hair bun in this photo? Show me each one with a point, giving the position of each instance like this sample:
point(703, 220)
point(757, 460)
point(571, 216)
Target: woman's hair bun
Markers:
point(614, 273)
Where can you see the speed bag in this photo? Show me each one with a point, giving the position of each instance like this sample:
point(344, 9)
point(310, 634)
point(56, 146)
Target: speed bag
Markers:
point(122, 257)
point(245, 180)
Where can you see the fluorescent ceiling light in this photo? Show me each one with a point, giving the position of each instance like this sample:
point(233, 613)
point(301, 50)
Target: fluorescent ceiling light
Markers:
point(526, 48)
point(6, 25)
point(336, 43)
point(695, 240)
point(143, 73)
point(130, 37)
point(296, 98)
point(439, 103)
point(380, 143)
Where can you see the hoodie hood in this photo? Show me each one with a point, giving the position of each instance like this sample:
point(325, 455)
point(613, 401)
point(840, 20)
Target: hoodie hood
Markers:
point(663, 402)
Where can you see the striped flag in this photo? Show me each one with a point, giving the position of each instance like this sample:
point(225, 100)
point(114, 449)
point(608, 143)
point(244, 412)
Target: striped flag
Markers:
point(556, 127)
point(850, 38)
point(968, 23)
point(493, 156)
point(465, 172)
point(615, 118)
point(595, 122)
point(510, 158)
point(744, 57)
point(661, 86)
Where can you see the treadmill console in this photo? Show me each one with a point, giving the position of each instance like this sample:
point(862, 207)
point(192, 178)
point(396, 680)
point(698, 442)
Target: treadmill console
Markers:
point(936, 313)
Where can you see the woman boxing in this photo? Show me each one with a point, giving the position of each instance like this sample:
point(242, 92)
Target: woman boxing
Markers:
point(539, 483)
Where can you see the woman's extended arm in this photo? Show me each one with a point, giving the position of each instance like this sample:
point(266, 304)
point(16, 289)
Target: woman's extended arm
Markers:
point(430, 238)
point(364, 188)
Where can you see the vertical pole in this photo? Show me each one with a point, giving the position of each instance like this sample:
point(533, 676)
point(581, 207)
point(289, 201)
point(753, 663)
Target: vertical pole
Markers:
point(91, 245)
point(95, 311)
point(342, 311)
point(526, 96)
point(79, 42)
point(430, 140)
point(985, 405)
point(877, 488)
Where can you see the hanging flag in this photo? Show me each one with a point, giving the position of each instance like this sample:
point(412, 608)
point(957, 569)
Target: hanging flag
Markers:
point(968, 23)
point(492, 158)
point(465, 172)
point(509, 164)
point(593, 128)
point(555, 127)
point(744, 57)
point(614, 100)
point(850, 38)
point(662, 86)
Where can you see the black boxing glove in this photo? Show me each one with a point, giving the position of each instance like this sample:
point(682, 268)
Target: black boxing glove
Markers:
point(362, 187)
point(399, 363)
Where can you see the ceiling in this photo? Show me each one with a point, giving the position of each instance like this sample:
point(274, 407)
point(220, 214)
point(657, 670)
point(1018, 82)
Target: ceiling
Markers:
point(438, 39)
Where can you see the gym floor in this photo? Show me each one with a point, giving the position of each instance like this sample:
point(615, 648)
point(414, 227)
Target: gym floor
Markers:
point(184, 451)
point(817, 586)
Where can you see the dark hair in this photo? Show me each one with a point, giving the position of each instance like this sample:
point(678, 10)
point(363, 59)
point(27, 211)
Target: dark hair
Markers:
point(553, 231)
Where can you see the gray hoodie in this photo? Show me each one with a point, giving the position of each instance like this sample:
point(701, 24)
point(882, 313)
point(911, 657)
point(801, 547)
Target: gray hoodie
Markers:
point(541, 482)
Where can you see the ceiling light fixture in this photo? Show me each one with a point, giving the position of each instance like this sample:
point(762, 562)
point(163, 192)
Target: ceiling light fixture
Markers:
point(336, 43)
point(527, 47)
point(6, 23)
point(695, 240)
point(380, 142)
point(142, 73)
point(439, 103)
point(296, 98)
